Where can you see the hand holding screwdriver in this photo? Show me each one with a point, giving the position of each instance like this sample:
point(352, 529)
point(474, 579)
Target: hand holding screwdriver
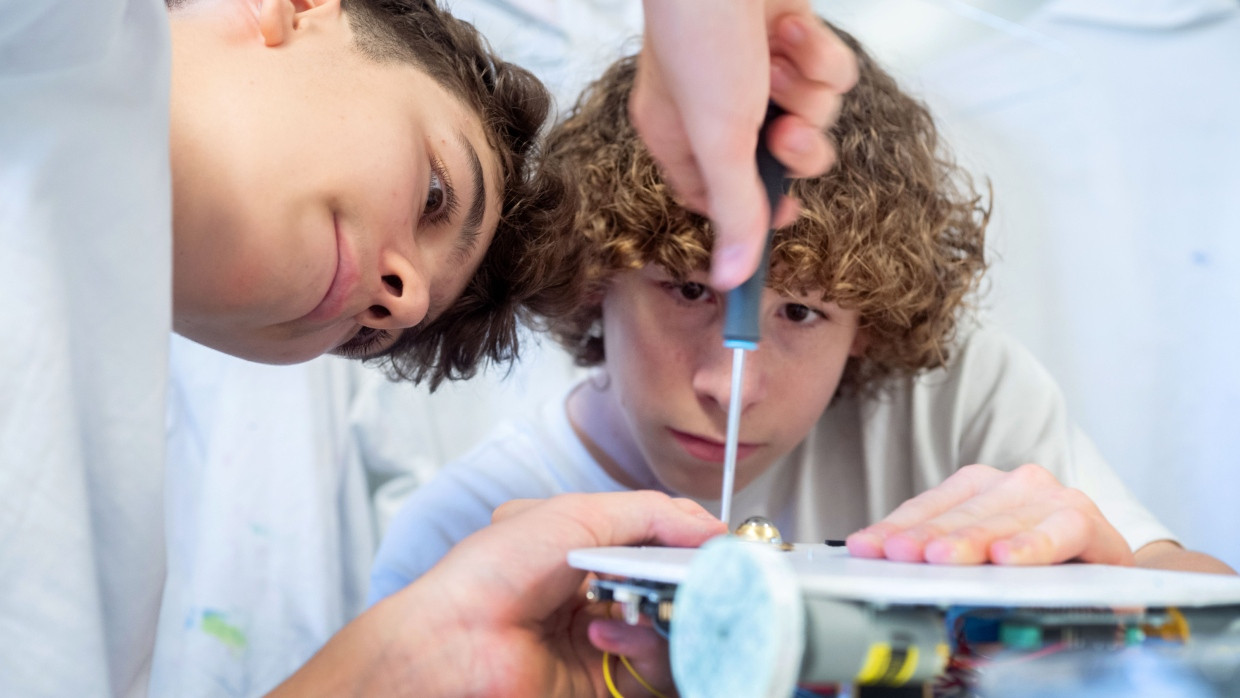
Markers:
point(742, 321)
point(704, 79)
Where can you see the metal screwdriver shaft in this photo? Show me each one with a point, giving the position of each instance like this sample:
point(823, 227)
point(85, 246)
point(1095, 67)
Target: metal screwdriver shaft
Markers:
point(734, 425)
point(741, 330)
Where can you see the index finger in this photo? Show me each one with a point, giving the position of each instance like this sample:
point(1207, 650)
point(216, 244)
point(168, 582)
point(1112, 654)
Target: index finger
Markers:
point(631, 518)
point(815, 52)
point(521, 561)
point(568, 522)
point(614, 518)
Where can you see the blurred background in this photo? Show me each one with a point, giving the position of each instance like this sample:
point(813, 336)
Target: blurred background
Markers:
point(1109, 131)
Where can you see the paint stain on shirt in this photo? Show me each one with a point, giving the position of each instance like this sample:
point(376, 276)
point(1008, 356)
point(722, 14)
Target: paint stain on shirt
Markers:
point(213, 624)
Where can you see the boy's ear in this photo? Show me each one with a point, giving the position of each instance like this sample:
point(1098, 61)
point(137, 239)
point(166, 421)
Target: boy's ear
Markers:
point(278, 19)
point(595, 297)
point(861, 342)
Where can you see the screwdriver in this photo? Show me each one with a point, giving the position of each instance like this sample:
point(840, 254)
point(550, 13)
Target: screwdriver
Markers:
point(741, 330)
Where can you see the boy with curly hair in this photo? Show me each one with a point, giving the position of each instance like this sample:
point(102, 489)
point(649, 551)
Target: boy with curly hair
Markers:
point(872, 405)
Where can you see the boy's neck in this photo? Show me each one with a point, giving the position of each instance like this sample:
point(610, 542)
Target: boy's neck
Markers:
point(598, 423)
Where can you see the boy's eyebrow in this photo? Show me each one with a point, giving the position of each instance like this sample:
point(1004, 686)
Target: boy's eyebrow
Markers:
point(472, 224)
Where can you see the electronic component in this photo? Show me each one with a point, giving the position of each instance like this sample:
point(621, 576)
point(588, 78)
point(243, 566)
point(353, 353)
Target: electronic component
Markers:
point(750, 620)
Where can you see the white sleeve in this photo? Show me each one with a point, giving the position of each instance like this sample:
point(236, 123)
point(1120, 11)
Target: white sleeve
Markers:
point(396, 431)
point(457, 502)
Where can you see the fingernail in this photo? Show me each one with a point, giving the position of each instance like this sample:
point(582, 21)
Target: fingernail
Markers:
point(1011, 552)
point(946, 550)
point(860, 545)
point(902, 549)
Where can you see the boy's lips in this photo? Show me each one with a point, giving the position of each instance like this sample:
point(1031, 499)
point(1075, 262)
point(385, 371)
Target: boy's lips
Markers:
point(343, 281)
point(708, 449)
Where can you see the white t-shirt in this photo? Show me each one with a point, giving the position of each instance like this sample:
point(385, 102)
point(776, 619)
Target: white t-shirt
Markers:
point(85, 310)
point(993, 404)
point(272, 472)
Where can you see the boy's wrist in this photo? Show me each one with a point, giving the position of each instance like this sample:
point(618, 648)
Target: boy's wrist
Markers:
point(1168, 555)
point(421, 645)
point(401, 646)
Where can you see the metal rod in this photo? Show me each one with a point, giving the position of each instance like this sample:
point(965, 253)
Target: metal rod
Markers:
point(734, 425)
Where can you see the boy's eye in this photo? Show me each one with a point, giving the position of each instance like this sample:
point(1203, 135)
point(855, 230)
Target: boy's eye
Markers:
point(800, 313)
point(435, 195)
point(687, 292)
point(692, 291)
point(440, 197)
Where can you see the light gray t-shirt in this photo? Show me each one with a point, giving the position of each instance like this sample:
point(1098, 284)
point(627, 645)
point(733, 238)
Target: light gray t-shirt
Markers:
point(993, 404)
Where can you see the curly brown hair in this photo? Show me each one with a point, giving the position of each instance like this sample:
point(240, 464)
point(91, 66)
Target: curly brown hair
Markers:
point(894, 231)
point(525, 274)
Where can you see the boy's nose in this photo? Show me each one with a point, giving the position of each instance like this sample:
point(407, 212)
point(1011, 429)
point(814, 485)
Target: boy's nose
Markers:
point(712, 380)
point(400, 296)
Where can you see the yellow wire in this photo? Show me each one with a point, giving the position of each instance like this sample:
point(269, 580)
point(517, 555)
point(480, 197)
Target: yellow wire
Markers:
point(611, 684)
point(628, 665)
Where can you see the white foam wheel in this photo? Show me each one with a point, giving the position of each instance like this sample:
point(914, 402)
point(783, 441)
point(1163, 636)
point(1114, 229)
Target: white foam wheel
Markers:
point(738, 624)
